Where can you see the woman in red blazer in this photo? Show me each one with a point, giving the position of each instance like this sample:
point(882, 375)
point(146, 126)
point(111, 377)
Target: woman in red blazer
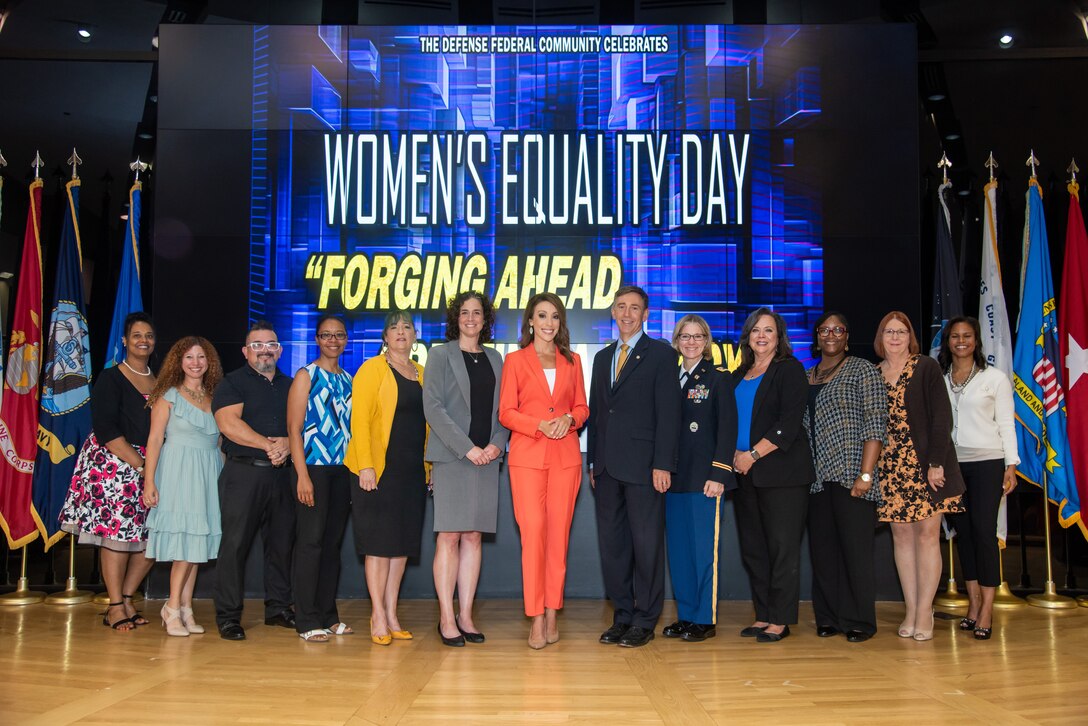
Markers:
point(542, 401)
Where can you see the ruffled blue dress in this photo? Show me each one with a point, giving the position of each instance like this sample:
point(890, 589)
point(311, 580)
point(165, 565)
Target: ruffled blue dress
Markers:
point(185, 525)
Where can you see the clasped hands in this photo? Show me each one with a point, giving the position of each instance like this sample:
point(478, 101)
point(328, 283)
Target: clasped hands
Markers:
point(484, 456)
point(555, 428)
point(278, 451)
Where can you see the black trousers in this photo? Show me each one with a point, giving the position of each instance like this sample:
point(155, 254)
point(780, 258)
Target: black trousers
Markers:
point(976, 529)
point(841, 530)
point(770, 524)
point(318, 535)
point(631, 536)
point(254, 498)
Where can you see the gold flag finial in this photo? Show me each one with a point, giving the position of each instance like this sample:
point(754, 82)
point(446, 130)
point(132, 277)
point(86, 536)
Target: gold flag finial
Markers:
point(37, 164)
point(944, 165)
point(1033, 162)
point(138, 166)
point(991, 164)
point(1073, 169)
point(74, 161)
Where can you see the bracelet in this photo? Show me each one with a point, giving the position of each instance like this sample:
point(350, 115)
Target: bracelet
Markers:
point(573, 421)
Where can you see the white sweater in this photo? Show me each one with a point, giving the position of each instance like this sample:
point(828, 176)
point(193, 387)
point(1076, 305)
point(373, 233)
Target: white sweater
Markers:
point(982, 420)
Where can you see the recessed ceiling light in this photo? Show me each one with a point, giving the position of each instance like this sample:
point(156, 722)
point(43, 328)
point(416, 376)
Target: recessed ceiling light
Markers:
point(83, 32)
point(1005, 41)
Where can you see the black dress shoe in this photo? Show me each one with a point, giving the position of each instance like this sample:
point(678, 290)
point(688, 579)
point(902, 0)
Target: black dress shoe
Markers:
point(457, 641)
point(284, 619)
point(468, 635)
point(857, 636)
point(613, 634)
point(232, 631)
point(766, 637)
point(636, 637)
point(697, 633)
point(826, 631)
point(676, 629)
point(752, 631)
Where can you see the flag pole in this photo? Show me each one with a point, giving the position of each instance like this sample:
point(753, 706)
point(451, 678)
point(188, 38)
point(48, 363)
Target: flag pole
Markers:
point(1049, 597)
point(23, 595)
point(1003, 597)
point(71, 595)
point(951, 597)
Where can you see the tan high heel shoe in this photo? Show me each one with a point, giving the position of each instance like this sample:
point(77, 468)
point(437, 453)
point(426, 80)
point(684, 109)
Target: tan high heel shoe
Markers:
point(189, 621)
point(171, 620)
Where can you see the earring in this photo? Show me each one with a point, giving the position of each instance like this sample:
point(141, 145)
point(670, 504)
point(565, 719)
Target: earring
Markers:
point(415, 346)
point(530, 329)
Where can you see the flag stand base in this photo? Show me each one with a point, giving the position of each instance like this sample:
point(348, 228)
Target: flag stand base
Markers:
point(951, 597)
point(1083, 601)
point(1005, 600)
point(23, 595)
point(71, 595)
point(1050, 599)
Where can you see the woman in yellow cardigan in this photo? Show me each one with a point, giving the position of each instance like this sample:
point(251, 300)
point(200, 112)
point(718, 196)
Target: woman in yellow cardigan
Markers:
point(387, 508)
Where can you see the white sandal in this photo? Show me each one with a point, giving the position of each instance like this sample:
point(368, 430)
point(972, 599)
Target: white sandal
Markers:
point(318, 635)
point(340, 629)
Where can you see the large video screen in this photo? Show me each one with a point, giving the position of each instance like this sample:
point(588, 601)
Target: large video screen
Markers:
point(355, 170)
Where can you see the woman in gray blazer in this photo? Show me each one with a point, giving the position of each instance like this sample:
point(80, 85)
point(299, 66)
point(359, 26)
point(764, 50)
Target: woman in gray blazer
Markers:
point(461, 403)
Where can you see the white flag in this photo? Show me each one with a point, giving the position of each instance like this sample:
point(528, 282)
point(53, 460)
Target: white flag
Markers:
point(993, 317)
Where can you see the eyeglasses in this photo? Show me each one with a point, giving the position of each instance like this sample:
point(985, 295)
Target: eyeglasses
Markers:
point(259, 345)
point(326, 335)
point(838, 331)
point(889, 333)
point(688, 337)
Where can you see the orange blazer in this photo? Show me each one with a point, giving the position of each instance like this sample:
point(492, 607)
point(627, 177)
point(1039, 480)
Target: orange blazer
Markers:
point(524, 401)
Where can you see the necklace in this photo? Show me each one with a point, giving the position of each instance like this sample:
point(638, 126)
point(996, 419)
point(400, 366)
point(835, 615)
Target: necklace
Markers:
point(406, 369)
point(124, 362)
point(197, 396)
point(820, 375)
point(958, 387)
point(474, 356)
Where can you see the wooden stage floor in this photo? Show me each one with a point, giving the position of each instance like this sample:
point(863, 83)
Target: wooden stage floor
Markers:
point(60, 665)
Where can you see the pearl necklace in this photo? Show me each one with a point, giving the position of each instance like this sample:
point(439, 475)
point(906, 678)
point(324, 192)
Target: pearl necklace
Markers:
point(958, 387)
point(124, 362)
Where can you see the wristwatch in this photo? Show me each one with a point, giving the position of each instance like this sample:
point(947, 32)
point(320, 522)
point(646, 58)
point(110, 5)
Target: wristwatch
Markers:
point(755, 454)
point(866, 477)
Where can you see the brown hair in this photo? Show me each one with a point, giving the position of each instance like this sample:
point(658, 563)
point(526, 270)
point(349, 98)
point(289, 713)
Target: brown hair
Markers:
point(692, 319)
point(782, 349)
point(171, 374)
point(944, 357)
point(453, 312)
point(562, 336)
point(878, 342)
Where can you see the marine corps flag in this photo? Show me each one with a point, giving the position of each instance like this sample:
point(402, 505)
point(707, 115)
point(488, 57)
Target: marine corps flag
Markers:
point(1073, 327)
point(1037, 373)
point(19, 410)
point(65, 418)
point(129, 296)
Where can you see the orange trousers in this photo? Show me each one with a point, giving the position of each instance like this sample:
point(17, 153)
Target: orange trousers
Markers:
point(543, 507)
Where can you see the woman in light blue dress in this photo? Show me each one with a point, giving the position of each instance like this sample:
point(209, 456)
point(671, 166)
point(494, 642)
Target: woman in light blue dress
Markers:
point(181, 474)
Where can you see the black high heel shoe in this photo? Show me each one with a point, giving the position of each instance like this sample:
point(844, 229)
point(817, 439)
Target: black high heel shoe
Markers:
point(983, 633)
point(967, 624)
point(137, 619)
point(455, 642)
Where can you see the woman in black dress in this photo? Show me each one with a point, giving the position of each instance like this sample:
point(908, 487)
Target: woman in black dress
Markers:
point(105, 504)
point(388, 433)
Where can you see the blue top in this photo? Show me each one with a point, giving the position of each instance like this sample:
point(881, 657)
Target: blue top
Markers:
point(746, 396)
point(327, 429)
point(630, 346)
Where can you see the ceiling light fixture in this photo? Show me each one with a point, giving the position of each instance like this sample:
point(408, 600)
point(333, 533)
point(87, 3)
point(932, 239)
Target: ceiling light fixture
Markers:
point(83, 32)
point(1005, 41)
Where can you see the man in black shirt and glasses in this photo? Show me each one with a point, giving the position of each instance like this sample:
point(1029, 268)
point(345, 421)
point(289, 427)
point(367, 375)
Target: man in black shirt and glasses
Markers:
point(255, 488)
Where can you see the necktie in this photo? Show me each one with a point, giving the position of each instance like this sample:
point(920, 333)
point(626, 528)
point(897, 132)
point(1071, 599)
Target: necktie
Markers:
point(622, 359)
point(683, 379)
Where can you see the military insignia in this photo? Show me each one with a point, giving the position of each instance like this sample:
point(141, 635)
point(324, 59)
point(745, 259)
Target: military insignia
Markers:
point(694, 426)
point(698, 393)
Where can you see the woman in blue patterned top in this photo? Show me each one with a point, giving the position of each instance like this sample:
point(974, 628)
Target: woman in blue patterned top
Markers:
point(319, 427)
point(845, 422)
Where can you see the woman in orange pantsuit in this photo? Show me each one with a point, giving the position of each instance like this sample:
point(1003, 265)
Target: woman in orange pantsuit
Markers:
point(542, 401)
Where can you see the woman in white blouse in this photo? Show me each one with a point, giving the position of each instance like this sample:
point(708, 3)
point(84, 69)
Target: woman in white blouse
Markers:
point(985, 438)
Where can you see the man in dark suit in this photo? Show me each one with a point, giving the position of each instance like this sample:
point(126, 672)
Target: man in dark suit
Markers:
point(634, 422)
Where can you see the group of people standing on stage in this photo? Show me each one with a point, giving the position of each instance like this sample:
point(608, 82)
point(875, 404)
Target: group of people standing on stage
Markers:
point(836, 449)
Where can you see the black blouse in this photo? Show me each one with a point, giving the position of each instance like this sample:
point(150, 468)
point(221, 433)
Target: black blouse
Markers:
point(481, 380)
point(118, 410)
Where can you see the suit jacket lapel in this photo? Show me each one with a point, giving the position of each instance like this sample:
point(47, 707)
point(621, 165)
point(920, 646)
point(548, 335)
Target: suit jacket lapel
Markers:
point(533, 361)
point(460, 372)
point(634, 357)
point(763, 389)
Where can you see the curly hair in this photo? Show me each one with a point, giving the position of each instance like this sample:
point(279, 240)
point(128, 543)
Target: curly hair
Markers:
point(453, 312)
point(171, 374)
point(562, 336)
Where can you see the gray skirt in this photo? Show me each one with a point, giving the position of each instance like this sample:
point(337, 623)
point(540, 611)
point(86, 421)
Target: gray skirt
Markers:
point(466, 496)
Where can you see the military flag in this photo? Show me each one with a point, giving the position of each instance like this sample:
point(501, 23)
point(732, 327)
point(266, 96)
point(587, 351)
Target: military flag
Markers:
point(947, 297)
point(1073, 329)
point(129, 296)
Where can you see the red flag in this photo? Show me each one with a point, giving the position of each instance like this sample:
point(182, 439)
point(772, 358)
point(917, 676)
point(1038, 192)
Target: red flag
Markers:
point(19, 409)
point(1073, 334)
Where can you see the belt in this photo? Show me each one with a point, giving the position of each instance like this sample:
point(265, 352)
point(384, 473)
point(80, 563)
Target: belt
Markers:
point(251, 461)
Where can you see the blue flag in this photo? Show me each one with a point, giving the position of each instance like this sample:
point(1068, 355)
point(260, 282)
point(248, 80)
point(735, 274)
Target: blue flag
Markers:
point(1037, 373)
point(129, 296)
point(947, 293)
point(65, 416)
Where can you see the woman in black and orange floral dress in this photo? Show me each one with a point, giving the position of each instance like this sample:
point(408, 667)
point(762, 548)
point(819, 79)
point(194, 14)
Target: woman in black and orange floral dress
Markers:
point(918, 469)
